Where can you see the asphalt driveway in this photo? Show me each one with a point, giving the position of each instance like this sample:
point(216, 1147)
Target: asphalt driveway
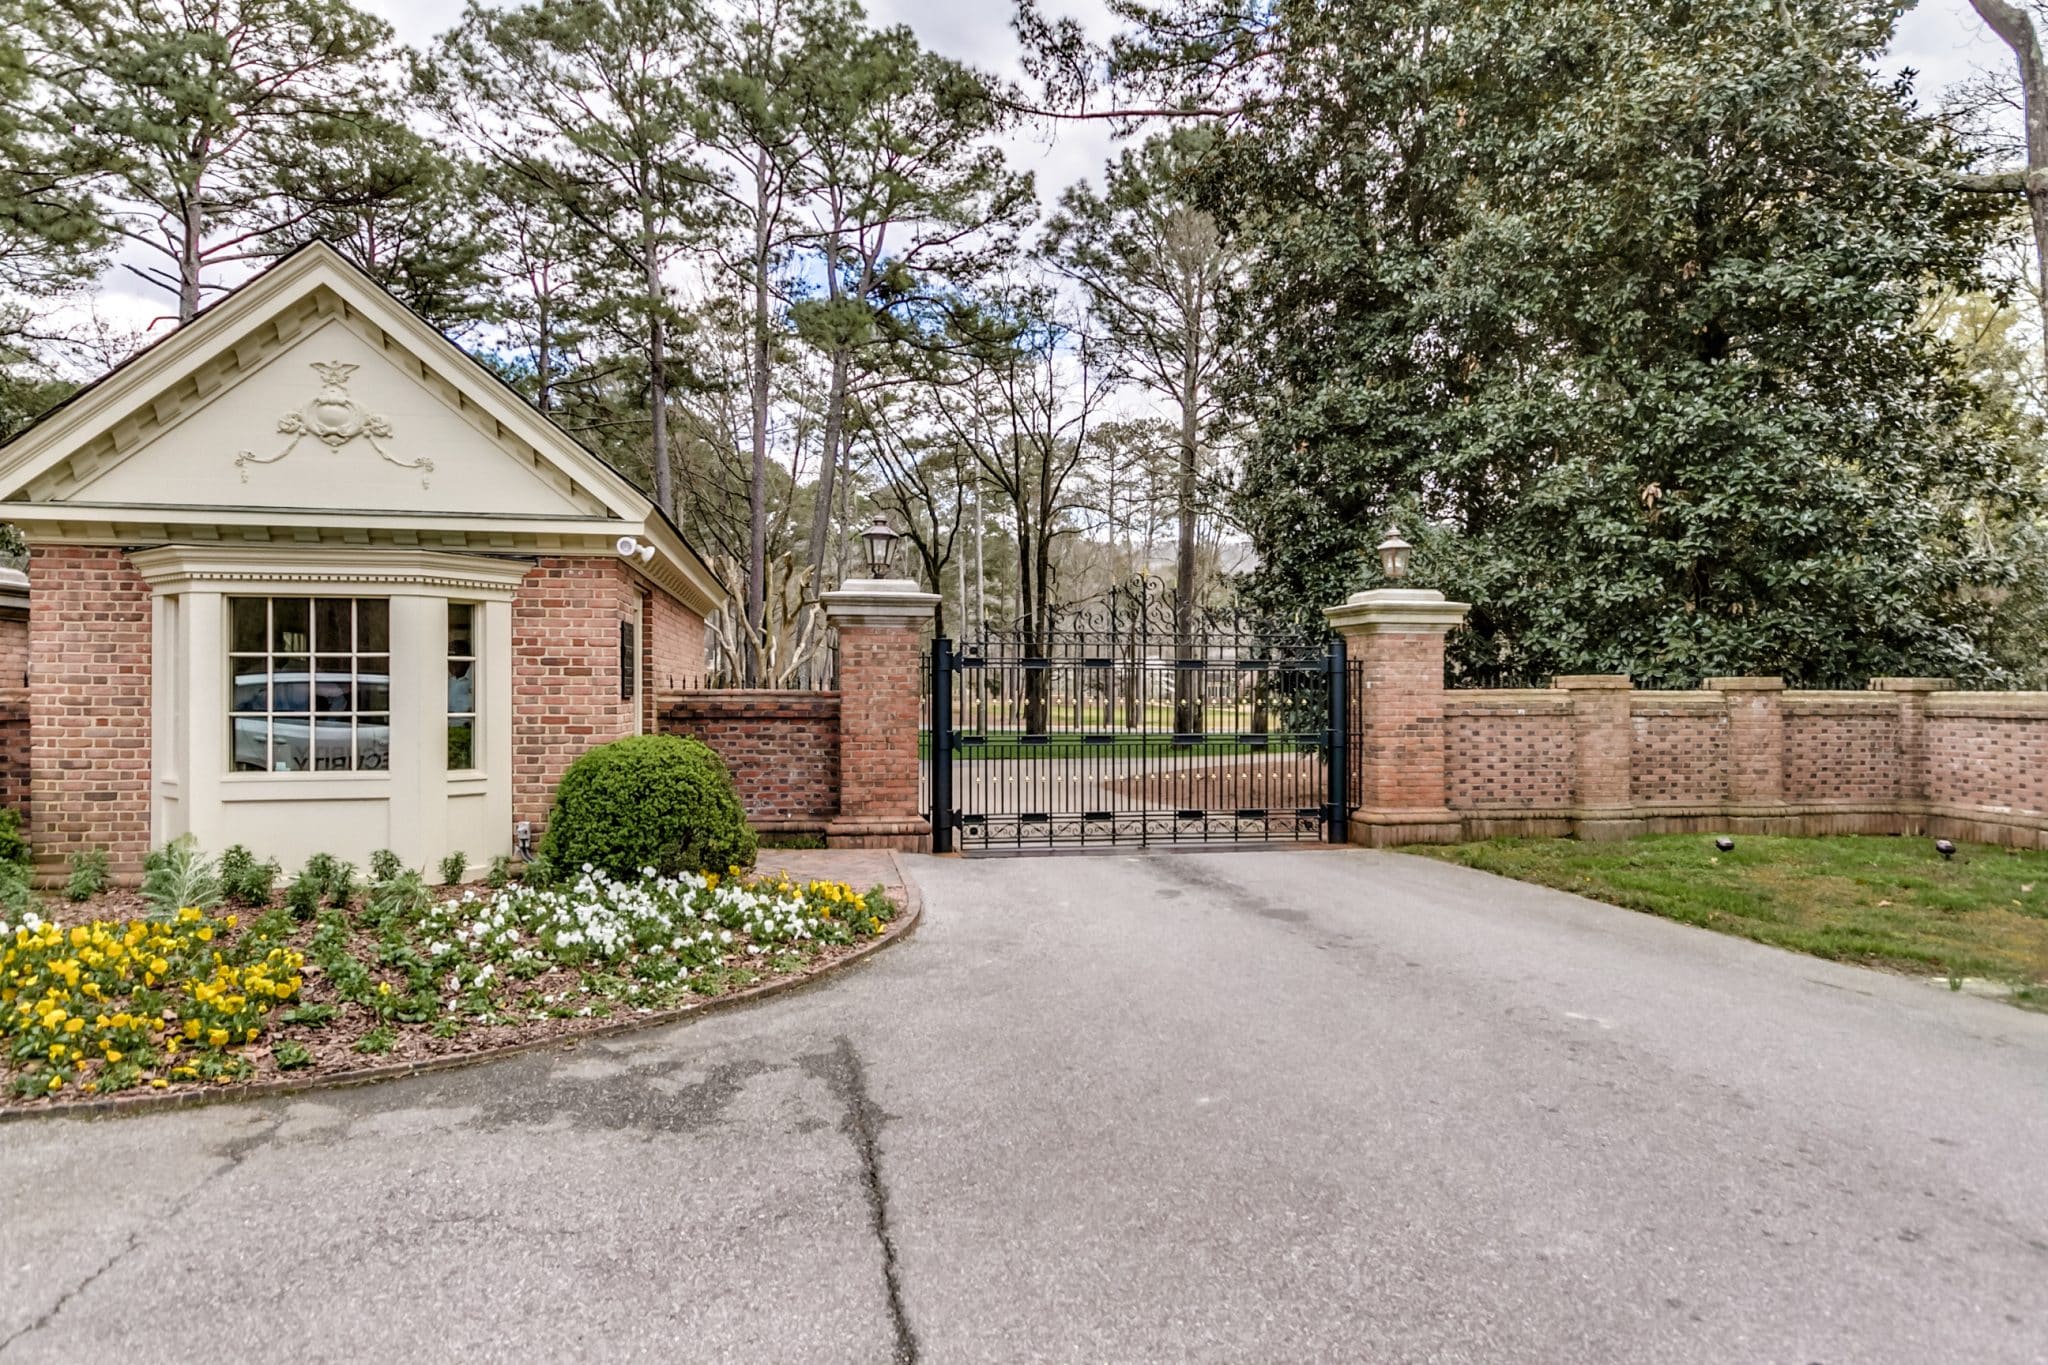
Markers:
point(1289, 1106)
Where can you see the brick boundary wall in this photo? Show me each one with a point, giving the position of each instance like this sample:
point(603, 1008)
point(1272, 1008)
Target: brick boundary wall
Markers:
point(782, 749)
point(1744, 755)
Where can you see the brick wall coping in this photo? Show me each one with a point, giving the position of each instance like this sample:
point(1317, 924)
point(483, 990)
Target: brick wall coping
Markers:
point(768, 703)
point(1862, 703)
point(1993, 705)
point(1525, 700)
point(1745, 684)
point(1593, 682)
point(1677, 704)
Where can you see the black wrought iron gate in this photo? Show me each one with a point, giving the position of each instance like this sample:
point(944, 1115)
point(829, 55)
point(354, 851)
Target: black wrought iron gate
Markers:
point(1085, 741)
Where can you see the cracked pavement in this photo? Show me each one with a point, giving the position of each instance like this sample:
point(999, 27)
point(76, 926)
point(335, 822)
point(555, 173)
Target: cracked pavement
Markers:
point(1302, 1105)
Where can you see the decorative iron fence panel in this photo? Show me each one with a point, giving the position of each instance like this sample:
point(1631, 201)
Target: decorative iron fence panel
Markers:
point(1088, 739)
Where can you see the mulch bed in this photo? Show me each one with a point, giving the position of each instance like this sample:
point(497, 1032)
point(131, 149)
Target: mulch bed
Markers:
point(335, 1059)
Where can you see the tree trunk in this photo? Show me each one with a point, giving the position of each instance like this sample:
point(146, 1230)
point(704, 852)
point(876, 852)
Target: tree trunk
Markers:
point(757, 478)
point(188, 258)
point(835, 425)
point(543, 365)
point(2015, 26)
point(657, 367)
point(1187, 682)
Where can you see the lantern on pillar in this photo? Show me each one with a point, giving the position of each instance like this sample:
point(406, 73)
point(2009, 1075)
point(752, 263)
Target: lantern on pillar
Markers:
point(880, 541)
point(1394, 555)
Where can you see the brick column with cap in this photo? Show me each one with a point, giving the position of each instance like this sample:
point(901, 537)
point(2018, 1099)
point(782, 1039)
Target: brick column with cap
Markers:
point(1756, 754)
point(1603, 742)
point(1394, 638)
point(881, 624)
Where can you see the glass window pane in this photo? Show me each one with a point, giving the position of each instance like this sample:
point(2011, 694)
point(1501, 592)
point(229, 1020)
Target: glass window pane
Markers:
point(334, 685)
point(332, 633)
point(373, 685)
point(461, 744)
point(291, 745)
point(252, 684)
point(461, 686)
point(291, 621)
point(333, 742)
point(290, 681)
point(461, 630)
point(373, 626)
point(252, 745)
point(373, 743)
point(247, 618)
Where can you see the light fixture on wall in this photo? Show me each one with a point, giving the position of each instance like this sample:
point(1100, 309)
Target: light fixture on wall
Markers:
point(880, 539)
point(629, 547)
point(1394, 554)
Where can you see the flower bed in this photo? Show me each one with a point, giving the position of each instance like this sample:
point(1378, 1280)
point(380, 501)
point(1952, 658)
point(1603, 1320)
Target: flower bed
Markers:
point(201, 998)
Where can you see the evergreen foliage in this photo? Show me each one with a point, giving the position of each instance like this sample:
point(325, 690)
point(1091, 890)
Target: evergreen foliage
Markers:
point(647, 801)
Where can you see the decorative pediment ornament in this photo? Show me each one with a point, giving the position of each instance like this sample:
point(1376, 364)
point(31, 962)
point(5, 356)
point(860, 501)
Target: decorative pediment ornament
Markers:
point(333, 417)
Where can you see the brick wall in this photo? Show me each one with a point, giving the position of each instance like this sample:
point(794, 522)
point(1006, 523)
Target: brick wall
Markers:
point(1745, 755)
point(565, 667)
point(1987, 760)
point(13, 647)
point(88, 705)
point(782, 749)
point(674, 656)
point(1841, 746)
point(14, 750)
point(1507, 751)
point(1678, 753)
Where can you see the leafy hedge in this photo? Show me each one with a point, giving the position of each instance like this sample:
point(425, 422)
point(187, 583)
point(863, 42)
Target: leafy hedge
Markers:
point(649, 801)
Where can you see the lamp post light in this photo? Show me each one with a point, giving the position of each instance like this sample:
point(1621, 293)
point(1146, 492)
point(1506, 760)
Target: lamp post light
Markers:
point(880, 541)
point(1394, 555)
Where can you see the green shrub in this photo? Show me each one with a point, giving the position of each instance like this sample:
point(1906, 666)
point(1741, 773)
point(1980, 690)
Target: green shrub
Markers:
point(179, 875)
point(17, 897)
point(398, 898)
point(384, 865)
point(500, 875)
point(245, 881)
point(453, 867)
point(13, 843)
point(88, 874)
point(335, 879)
point(302, 897)
point(649, 801)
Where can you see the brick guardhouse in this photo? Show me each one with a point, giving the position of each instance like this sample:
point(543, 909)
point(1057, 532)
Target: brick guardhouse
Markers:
point(304, 576)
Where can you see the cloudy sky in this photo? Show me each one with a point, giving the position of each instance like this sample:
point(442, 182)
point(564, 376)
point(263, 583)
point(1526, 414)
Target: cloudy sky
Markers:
point(1942, 40)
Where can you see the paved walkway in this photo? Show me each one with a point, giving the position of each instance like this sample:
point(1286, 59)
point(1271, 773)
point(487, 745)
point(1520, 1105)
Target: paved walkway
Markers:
point(1319, 1105)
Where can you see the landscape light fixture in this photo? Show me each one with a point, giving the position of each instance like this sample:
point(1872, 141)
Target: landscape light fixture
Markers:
point(1725, 844)
point(880, 539)
point(1394, 554)
point(1946, 849)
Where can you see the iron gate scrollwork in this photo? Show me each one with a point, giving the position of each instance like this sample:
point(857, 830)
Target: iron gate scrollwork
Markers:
point(1119, 737)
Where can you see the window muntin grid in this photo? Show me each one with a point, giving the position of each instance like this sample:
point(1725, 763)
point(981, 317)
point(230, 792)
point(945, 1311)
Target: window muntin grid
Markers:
point(462, 677)
point(311, 684)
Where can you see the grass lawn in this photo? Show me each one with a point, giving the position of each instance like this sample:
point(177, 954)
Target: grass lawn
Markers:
point(1884, 902)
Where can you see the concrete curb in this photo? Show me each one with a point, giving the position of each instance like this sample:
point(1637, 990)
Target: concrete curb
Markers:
point(121, 1105)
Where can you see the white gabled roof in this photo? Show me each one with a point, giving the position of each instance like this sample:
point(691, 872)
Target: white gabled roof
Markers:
point(157, 449)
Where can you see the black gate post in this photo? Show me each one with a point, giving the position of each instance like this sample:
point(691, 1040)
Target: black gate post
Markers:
point(1338, 824)
point(941, 813)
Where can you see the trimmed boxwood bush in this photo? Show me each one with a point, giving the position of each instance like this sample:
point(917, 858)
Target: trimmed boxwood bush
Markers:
point(654, 801)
